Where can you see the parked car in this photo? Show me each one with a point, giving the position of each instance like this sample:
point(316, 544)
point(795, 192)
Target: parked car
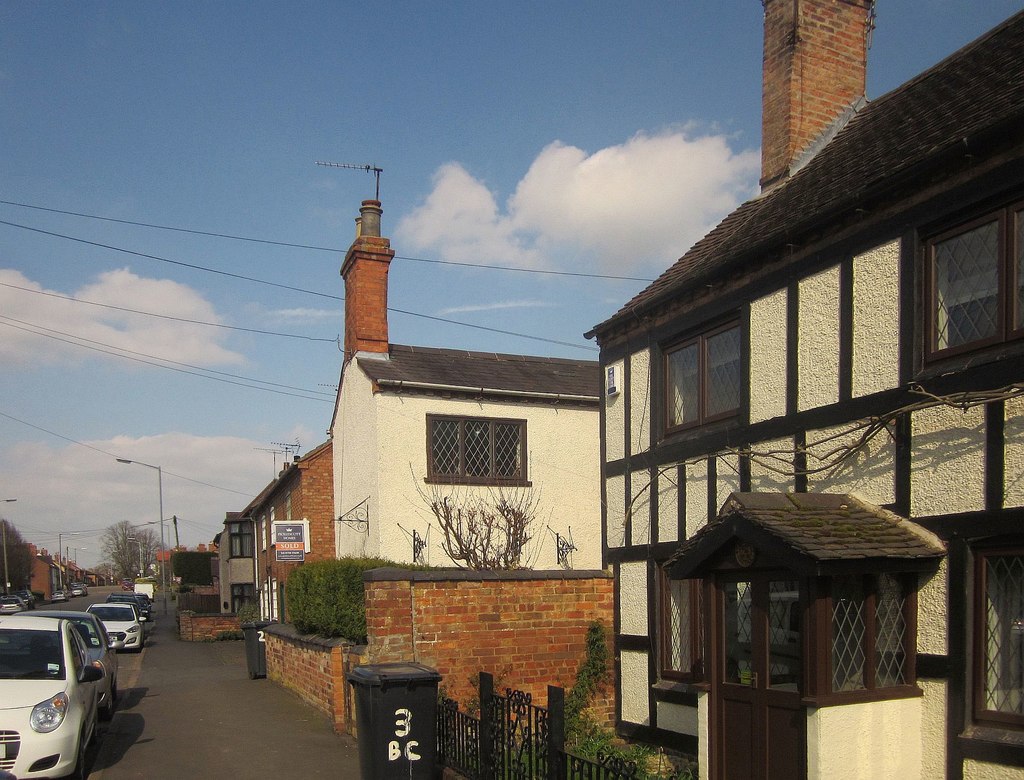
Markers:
point(77, 589)
point(141, 602)
point(27, 596)
point(11, 605)
point(100, 650)
point(127, 584)
point(122, 623)
point(58, 595)
point(48, 691)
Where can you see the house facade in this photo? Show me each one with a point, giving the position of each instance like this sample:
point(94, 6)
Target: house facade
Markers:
point(814, 474)
point(289, 523)
point(428, 438)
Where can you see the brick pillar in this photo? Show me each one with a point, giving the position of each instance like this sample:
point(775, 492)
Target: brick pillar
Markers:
point(815, 65)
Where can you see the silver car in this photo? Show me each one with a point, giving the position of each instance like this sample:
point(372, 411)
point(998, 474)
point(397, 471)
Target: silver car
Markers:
point(99, 647)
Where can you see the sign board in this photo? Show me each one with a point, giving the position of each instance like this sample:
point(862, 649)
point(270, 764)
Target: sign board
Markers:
point(290, 545)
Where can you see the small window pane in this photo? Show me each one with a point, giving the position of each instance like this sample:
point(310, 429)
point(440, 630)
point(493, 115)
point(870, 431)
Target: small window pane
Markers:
point(478, 448)
point(890, 633)
point(444, 445)
point(967, 286)
point(1004, 634)
point(684, 385)
point(680, 652)
point(738, 634)
point(784, 635)
point(507, 449)
point(723, 372)
point(847, 634)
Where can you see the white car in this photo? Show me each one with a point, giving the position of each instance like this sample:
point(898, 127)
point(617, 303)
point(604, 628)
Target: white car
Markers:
point(48, 698)
point(122, 624)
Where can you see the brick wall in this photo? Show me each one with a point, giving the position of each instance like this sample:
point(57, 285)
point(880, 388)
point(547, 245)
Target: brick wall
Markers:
point(315, 669)
point(193, 627)
point(526, 628)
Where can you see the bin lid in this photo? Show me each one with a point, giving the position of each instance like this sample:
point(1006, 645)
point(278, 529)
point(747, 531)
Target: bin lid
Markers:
point(398, 673)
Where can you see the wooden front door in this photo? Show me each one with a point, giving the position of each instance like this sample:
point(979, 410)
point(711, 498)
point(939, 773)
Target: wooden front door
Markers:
point(759, 723)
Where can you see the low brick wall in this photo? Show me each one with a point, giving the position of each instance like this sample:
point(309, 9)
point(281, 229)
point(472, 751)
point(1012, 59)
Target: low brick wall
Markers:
point(194, 627)
point(315, 669)
point(527, 628)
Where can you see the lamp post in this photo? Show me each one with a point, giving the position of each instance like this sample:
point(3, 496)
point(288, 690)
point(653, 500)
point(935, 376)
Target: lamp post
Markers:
point(7, 574)
point(160, 489)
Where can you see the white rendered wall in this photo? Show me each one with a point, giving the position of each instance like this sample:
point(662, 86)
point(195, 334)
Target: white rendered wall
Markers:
point(947, 461)
point(865, 741)
point(633, 687)
point(818, 340)
point(355, 464)
point(640, 402)
point(876, 319)
point(932, 600)
point(668, 506)
point(615, 490)
point(933, 728)
point(678, 718)
point(615, 420)
point(563, 465)
point(765, 474)
point(633, 598)
point(640, 507)
point(869, 473)
point(768, 357)
point(980, 770)
point(1013, 433)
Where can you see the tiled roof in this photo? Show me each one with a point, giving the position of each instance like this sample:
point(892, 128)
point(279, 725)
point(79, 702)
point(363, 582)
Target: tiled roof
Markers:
point(819, 528)
point(484, 372)
point(980, 88)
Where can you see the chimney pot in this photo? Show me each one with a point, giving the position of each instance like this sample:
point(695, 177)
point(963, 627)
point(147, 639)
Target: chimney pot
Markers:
point(369, 219)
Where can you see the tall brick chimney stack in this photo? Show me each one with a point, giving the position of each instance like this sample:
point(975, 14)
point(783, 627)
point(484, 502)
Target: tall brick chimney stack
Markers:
point(365, 272)
point(815, 66)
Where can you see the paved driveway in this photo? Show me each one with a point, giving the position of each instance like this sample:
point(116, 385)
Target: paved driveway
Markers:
point(189, 710)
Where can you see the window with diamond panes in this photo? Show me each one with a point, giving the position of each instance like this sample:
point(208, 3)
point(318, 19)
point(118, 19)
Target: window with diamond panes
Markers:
point(476, 450)
point(702, 377)
point(870, 633)
point(976, 284)
point(682, 629)
point(1000, 626)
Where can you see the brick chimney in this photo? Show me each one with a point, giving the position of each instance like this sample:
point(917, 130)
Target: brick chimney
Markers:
point(365, 272)
point(815, 64)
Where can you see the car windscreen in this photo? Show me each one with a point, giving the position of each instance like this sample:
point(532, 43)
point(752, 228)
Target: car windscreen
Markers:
point(124, 613)
point(30, 655)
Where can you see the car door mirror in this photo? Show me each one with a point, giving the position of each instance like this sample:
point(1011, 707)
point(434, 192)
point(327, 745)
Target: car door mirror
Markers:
point(91, 674)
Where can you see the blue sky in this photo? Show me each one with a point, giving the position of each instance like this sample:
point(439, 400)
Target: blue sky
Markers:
point(596, 138)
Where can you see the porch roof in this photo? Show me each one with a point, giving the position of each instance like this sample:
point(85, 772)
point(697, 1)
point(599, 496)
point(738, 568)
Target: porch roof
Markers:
point(810, 533)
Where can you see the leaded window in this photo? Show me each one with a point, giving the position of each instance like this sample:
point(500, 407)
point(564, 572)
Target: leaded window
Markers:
point(869, 632)
point(241, 595)
point(476, 450)
point(702, 378)
point(682, 635)
point(976, 283)
point(999, 671)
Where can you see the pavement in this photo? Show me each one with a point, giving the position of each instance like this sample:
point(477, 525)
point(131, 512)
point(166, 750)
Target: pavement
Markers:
point(189, 710)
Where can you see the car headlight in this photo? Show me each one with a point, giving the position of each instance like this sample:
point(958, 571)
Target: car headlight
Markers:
point(48, 715)
point(133, 630)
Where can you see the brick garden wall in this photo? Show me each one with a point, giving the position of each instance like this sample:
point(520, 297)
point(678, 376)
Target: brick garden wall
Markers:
point(315, 669)
point(193, 627)
point(527, 628)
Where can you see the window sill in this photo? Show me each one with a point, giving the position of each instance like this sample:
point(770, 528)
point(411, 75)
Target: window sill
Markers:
point(995, 735)
point(862, 697)
point(676, 692)
point(478, 482)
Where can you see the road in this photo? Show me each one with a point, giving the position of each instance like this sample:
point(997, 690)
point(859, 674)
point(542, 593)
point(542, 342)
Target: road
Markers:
point(189, 710)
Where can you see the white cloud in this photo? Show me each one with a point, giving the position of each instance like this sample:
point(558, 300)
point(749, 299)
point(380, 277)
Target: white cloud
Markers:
point(633, 207)
point(109, 327)
point(497, 306)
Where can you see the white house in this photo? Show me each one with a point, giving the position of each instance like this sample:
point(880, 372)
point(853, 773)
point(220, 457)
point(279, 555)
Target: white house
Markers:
point(420, 426)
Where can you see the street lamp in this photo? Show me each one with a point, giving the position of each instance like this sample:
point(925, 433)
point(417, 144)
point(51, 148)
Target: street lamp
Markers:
point(7, 572)
point(163, 548)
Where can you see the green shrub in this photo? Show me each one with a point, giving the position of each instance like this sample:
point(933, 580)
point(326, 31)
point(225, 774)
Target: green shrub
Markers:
point(327, 597)
point(248, 613)
point(229, 636)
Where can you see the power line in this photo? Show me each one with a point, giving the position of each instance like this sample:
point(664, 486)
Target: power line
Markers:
point(152, 360)
point(294, 289)
point(166, 316)
point(115, 457)
point(336, 250)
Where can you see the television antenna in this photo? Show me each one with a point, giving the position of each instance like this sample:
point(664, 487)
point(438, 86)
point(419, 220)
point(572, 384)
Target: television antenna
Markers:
point(350, 166)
